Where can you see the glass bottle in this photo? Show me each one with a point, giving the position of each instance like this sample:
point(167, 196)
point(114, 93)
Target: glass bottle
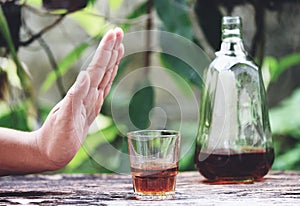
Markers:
point(234, 142)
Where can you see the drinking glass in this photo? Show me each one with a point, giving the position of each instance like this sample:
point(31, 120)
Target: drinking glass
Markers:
point(154, 156)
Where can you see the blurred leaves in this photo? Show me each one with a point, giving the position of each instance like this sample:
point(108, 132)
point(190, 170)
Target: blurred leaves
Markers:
point(175, 17)
point(277, 66)
point(288, 160)
point(141, 104)
point(285, 120)
point(138, 11)
point(92, 23)
point(32, 2)
point(9, 66)
point(114, 4)
point(15, 118)
point(181, 68)
point(209, 18)
point(4, 31)
point(64, 65)
point(91, 1)
point(283, 64)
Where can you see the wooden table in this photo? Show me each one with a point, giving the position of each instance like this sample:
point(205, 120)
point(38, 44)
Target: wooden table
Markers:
point(278, 188)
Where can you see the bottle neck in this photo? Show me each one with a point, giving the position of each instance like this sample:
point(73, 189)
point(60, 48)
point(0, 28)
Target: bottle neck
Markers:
point(232, 43)
point(232, 46)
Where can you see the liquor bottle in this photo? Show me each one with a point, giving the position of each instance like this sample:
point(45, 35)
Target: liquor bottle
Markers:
point(234, 141)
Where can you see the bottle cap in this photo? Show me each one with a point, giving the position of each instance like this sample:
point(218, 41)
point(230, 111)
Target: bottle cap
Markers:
point(232, 20)
point(231, 26)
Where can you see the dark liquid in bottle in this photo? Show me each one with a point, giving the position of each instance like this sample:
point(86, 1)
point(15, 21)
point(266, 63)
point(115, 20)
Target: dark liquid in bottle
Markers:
point(229, 166)
point(154, 181)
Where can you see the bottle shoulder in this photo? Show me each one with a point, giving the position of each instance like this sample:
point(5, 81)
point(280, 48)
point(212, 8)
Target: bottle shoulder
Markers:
point(227, 62)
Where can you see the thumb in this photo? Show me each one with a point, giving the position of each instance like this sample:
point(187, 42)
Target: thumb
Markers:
point(82, 82)
point(80, 89)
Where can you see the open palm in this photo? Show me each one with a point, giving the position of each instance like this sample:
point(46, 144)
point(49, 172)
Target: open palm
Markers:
point(67, 124)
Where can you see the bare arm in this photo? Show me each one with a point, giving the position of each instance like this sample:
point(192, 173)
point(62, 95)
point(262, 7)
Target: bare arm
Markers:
point(18, 153)
point(58, 140)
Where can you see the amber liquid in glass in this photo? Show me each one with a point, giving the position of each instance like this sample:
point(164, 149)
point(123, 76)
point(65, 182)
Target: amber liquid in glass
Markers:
point(225, 165)
point(154, 180)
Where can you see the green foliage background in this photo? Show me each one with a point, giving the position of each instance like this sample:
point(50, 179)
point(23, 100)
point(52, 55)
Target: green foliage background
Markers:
point(175, 17)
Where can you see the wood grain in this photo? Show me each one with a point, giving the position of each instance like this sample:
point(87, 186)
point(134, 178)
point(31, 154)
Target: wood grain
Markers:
point(277, 188)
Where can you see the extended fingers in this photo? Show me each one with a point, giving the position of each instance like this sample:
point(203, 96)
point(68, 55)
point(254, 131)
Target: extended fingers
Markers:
point(108, 78)
point(115, 52)
point(119, 37)
point(106, 55)
point(108, 86)
point(102, 70)
point(111, 73)
point(103, 52)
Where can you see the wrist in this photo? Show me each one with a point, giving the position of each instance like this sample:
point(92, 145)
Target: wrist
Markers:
point(42, 150)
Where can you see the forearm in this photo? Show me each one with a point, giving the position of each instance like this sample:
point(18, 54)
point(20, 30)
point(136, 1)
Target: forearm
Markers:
point(58, 140)
point(19, 153)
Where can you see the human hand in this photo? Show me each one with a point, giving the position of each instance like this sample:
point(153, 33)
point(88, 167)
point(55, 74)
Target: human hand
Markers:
point(67, 125)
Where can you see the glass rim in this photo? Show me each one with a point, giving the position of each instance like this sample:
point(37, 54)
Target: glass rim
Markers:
point(155, 133)
point(229, 20)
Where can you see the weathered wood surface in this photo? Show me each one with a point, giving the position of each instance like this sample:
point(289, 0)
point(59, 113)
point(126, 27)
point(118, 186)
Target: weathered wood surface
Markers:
point(278, 188)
